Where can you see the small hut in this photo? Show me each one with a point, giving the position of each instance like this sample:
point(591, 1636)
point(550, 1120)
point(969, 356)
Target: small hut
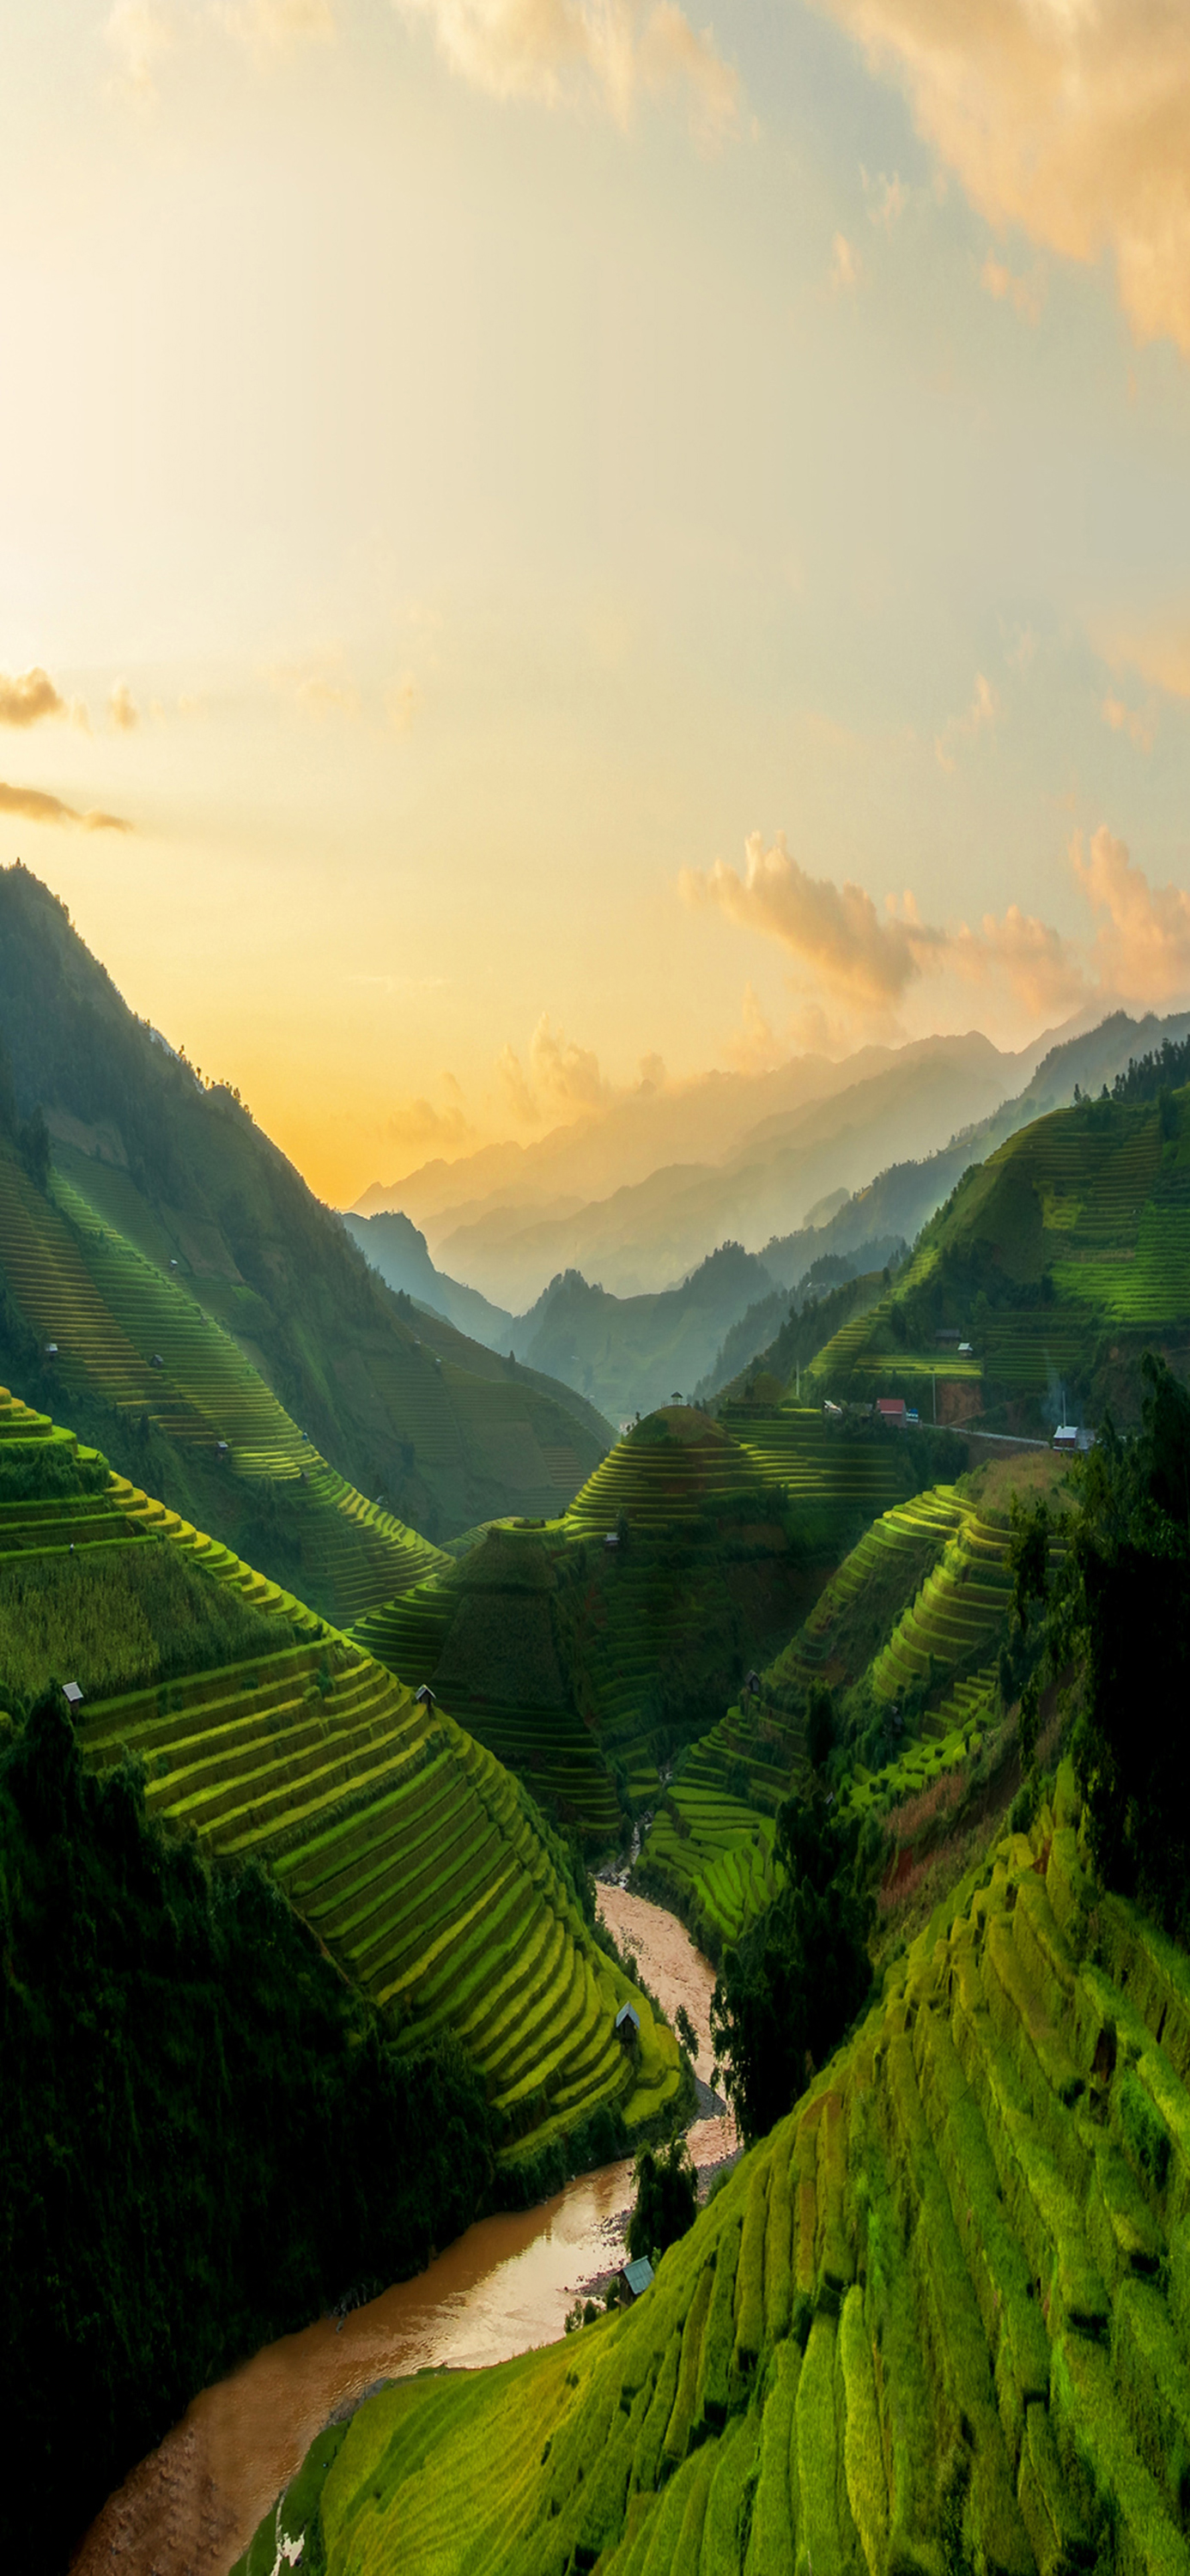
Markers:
point(627, 2026)
point(635, 2279)
point(425, 1697)
point(72, 1696)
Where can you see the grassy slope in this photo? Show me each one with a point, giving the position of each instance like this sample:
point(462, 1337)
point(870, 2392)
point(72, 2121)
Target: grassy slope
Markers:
point(403, 1842)
point(938, 2319)
point(1057, 1257)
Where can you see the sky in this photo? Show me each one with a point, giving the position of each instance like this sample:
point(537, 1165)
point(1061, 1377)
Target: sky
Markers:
point(546, 544)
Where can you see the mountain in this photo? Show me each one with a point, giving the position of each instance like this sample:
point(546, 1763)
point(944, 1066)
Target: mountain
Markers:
point(609, 1148)
point(629, 1353)
point(901, 1200)
point(622, 1354)
point(218, 1333)
point(748, 1343)
point(649, 1233)
point(395, 1247)
point(1049, 1268)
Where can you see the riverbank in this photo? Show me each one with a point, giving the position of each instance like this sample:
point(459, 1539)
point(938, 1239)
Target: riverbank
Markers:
point(505, 2286)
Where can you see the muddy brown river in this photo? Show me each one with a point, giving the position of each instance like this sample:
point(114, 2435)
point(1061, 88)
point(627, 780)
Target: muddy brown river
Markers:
point(190, 2509)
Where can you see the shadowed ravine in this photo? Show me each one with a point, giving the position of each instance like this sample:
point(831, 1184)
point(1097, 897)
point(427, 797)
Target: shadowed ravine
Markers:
point(192, 2506)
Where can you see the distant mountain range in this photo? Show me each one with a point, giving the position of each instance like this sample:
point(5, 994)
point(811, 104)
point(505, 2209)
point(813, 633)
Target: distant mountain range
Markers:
point(718, 1304)
point(637, 1198)
point(628, 1354)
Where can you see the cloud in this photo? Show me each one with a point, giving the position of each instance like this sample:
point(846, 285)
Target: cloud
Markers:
point(38, 807)
point(1069, 118)
point(844, 265)
point(141, 33)
point(318, 687)
point(559, 1078)
point(1159, 652)
point(891, 195)
point(1025, 294)
point(979, 716)
point(855, 965)
point(1139, 723)
point(552, 49)
point(1142, 945)
point(26, 699)
point(835, 931)
point(121, 709)
point(754, 1047)
point(417, 1127)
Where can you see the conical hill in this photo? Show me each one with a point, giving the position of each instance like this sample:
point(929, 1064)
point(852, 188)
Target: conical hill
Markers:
point(939, 2319)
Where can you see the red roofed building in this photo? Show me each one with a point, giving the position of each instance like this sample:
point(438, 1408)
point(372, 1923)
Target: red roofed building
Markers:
point(891, 1408)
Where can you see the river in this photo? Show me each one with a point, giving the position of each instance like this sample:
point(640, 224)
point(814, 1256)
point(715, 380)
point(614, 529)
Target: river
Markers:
point(503, 2287)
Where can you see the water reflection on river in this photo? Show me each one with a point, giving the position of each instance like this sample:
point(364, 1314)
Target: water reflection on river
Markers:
point(191, 2508)
point(505, 2286)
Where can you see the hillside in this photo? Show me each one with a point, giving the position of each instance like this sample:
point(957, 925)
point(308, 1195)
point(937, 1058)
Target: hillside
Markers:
point(1057, 1259)
point(587, 1667)
point(153, 1223)
point(907, 1637)
point(274, 1737)
point(395, 1247)
point(938, 2318)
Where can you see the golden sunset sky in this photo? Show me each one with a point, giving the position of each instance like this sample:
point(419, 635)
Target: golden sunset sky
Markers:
point(540, 537)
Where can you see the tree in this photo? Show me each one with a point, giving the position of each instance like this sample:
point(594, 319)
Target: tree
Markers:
point(35, 1149)
point(666, 2199)
point(686, 2031)
point(786, 1996)
point(1119, 1612)
point(820, 1727)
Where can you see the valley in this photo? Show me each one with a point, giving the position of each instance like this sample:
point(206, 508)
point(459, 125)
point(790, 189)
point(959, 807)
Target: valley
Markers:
point(379, 1645)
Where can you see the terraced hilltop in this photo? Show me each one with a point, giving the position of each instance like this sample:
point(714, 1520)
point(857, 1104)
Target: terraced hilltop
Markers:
point(585, 1650)
point(1056, 1259)
point(270, 1734)
point(938, 2318)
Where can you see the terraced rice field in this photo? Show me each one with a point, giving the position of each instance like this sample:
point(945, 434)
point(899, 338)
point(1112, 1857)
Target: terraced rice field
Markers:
point(957, 1733)
point(406, 1845)
point(821, 1467)
point(962, 1607)
point(887, 1564)
point(402, 1840)
point(538, 1735)
point(660, 1482)
point(114, 1314)
point(945, 2305)
point(720, 1857)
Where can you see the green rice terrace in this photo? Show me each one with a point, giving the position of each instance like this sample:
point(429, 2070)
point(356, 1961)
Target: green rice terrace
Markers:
point(402, 1841)
point(1056, 1259)
point(939, 2317)
point(584, 1650)
point(121, 1327)
point(911, 1621)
